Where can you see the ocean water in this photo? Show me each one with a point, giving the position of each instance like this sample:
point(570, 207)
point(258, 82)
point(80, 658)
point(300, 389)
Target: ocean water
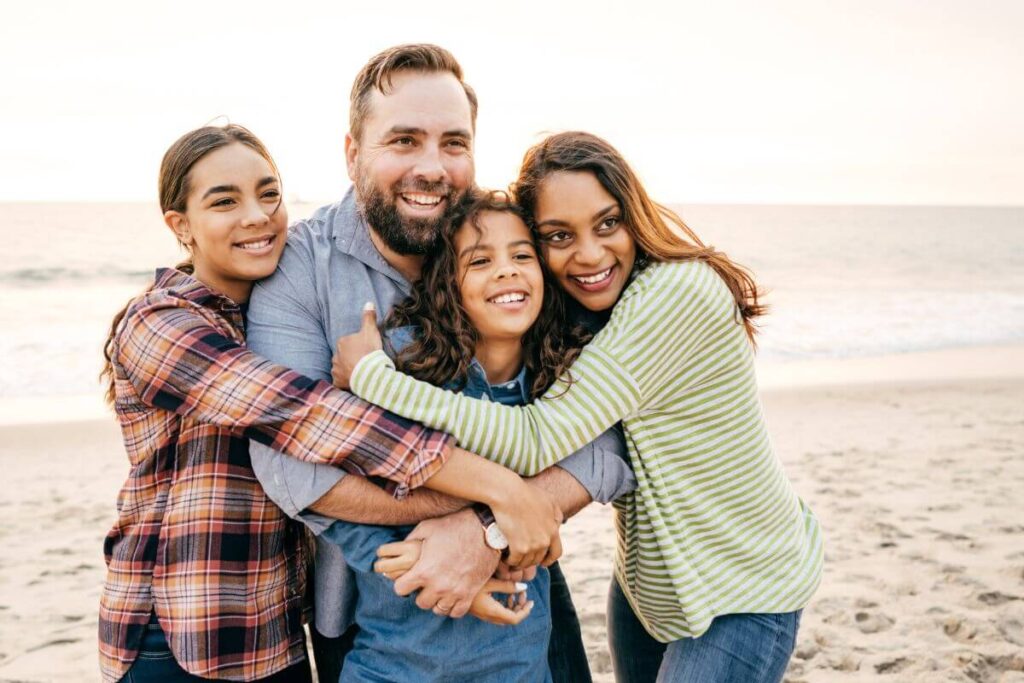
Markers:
point(842, 281)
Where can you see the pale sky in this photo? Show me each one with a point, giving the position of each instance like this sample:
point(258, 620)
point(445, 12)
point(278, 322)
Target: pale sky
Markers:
point(848, 101)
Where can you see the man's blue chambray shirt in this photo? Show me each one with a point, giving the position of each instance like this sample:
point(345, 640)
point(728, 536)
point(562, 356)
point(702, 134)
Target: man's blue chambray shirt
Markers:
point(328, 270)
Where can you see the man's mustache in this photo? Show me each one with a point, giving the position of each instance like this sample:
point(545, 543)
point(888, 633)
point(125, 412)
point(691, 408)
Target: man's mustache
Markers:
point(425, 187)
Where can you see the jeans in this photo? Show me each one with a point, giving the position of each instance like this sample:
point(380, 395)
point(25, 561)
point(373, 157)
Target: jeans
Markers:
point(156, 664)
point(567, 658)
point(738, 648)
point(329, 653)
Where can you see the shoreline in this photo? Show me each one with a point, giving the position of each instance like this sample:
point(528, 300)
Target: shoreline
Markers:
point(966, 363)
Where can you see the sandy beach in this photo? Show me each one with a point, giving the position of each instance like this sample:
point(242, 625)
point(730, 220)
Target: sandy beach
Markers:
point(918, 482)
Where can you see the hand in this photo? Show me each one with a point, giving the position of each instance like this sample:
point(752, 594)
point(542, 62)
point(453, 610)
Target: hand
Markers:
point(453, 566)
point(397, 558)
point(352, 347)
point(506, 573)
point(487, 608)
point(530, 521)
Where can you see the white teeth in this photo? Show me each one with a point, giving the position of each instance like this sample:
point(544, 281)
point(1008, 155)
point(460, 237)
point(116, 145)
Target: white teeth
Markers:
point(595, 278)
point(424, 199)
point(255, 245)
point(511, 297)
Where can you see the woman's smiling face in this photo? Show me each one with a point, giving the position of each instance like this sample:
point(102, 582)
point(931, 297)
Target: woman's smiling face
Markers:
point(234, 223)
point(500, 279)
point(586, 245)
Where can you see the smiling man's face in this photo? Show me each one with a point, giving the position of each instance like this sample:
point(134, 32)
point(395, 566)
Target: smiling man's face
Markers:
point(414, 160)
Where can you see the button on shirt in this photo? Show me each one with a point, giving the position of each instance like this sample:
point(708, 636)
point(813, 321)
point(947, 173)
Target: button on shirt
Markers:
point(328, 271)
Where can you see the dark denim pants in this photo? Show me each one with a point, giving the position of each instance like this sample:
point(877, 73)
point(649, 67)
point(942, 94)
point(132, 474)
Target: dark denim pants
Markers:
point(329, 653)
point(738, 648)
point(156, 664)
point(567, 657)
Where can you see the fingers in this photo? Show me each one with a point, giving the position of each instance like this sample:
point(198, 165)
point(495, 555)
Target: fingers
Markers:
point(409, 582)
point(514, 559)
point(486, 608)
point(502, 586)
point(392, 567)
point(406, 551)
point(554, 552)
point(461, 608)
point(398, 548)
point(529, 559)
point(369, 316)
point(442, 610)
point(428, 599)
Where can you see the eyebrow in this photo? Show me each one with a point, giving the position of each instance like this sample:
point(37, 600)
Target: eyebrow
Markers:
point(479, 246)
point(216, 189)
point(412, 130)
point(597, 216)
point(483, 246)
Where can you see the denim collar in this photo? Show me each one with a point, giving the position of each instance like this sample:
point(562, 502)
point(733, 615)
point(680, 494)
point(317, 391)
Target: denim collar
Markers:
point(477, 385)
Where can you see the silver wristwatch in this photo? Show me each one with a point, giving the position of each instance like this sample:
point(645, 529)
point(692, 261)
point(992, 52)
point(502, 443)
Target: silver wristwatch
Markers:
point(494, 538)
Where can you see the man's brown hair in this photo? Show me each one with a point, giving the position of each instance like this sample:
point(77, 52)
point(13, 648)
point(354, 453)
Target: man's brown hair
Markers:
point(378, 72)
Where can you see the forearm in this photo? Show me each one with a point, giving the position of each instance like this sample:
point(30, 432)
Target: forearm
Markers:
point(527, 439)
point(563, 489)
point(471, 477)
point(355, 499)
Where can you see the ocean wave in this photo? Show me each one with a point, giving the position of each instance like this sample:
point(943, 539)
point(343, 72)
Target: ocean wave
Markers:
point(42, 276)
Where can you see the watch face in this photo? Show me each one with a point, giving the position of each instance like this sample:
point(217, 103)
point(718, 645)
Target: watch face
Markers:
point(495, 538)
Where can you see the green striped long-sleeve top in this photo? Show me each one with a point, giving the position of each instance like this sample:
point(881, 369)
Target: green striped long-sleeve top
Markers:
point(714, 526)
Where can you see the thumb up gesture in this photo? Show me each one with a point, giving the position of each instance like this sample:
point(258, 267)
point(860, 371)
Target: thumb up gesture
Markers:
point(351, 348)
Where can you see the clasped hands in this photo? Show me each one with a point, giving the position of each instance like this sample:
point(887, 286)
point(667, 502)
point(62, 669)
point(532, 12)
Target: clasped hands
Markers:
point(454, 575)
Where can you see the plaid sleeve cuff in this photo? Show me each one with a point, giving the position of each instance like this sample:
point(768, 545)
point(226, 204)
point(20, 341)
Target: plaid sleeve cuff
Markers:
point(419, 464)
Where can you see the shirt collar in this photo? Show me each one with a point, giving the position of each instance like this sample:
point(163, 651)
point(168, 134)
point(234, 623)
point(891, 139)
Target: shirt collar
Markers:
point(478, 376)
point(351, 235)
point(191, 289)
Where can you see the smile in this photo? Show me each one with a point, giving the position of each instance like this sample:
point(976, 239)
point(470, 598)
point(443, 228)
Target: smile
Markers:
point(422, 200)
point(508, 298)
point(257, 244)
point(594, 279)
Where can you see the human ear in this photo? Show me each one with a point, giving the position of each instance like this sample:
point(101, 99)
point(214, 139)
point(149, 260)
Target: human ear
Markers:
point(351, 152)
point(178, 224)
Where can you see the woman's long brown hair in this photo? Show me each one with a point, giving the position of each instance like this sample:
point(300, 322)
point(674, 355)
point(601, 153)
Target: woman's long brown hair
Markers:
point(445, 341)
point(174, 188)
point(650, 223)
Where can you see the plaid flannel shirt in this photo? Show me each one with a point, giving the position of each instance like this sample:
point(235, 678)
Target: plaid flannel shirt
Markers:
point(196, 539)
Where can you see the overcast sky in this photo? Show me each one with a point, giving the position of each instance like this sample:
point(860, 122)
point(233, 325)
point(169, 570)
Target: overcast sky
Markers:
point(850, 101)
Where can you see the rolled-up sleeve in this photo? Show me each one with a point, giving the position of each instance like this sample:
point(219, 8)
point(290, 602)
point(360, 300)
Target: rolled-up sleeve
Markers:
point(293, 484)
point(180, 357)
point(602, 467)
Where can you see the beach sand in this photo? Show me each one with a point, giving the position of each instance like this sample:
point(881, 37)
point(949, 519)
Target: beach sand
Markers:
point(918, 484)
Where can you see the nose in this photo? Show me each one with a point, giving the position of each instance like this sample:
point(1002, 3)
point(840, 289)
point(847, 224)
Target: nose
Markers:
point(429, 165)
point(506, 270)
point(255, 215)
point(588, 252)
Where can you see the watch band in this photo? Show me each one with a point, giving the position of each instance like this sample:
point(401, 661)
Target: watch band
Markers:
point(484, 514)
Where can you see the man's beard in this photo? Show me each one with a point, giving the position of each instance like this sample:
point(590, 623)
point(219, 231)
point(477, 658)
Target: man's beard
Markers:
point(404, 235)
